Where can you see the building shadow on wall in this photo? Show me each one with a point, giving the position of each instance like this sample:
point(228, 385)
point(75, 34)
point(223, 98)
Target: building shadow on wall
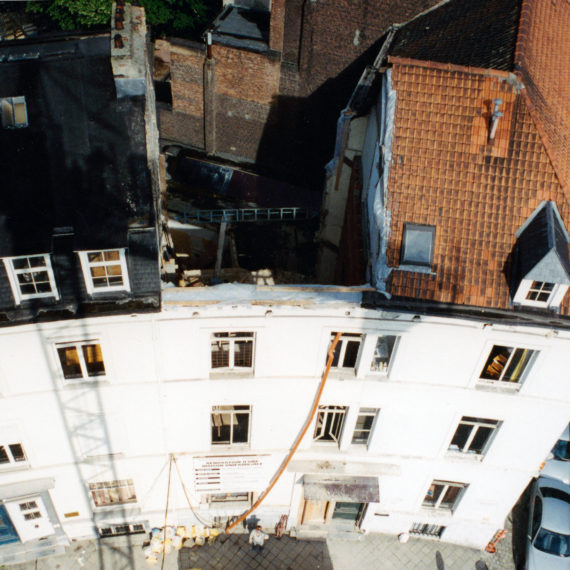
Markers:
point(299, 135)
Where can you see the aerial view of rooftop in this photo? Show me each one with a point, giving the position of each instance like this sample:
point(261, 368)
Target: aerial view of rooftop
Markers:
point(284, 284)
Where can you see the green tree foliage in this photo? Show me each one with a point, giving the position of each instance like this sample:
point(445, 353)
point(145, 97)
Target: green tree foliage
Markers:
point(184, 16)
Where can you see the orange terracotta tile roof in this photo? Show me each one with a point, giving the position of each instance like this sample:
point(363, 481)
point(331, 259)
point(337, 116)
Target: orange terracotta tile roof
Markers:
point(444, 173)
point(542, 60)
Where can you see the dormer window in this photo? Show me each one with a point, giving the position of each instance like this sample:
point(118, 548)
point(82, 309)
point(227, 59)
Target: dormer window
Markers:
point(104, 270)
point(542, 267)
point(31, 277)
point(14, 112)
point(417, 245)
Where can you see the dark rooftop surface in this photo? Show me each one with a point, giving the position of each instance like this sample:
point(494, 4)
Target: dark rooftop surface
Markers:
point(80, 164)
point(242, 27)
point(479, 33)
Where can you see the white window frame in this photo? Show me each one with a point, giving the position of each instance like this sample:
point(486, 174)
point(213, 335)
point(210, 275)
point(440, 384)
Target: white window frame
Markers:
point(13, 273)
point(475, 424)
point(9, 112)
point(78, 345)
point(322, 418)
point(343, 341)
point(383, 370)
point(88, 278)
point(553, 301)
point(106, 487)
point(514, 385)
point(230, 409)
point(365, 412)
point(247, 336)
point(446, 486)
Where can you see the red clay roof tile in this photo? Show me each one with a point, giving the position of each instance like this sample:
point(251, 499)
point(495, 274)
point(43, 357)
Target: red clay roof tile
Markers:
point(445, 173)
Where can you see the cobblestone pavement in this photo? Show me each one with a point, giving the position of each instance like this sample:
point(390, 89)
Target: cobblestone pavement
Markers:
point(362, 552)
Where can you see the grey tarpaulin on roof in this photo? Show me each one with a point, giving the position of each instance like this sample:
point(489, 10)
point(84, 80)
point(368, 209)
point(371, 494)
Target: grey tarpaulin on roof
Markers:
point(335, 488)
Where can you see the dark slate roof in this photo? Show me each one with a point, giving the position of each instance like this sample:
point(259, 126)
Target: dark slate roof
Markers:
point(478, 33)
point(81, 163)
point(242, 27)
point(542, 248)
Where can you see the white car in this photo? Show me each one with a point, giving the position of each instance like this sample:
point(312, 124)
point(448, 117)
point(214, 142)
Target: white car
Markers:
point(557, 464)
point(548, 537)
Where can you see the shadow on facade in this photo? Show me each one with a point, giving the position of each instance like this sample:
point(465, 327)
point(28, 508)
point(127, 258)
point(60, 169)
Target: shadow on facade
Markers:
point(298, 139)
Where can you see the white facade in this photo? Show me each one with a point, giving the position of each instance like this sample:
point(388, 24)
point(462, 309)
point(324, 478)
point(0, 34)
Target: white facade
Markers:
point(158, 391)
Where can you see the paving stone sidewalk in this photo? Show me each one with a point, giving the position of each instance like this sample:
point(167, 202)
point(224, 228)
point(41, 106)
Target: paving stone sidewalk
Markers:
point(232, 552)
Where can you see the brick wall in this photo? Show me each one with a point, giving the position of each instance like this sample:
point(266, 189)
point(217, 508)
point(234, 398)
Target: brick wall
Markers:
point(246, 75)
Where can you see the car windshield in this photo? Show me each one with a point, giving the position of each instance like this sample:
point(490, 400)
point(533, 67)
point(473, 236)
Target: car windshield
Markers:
point(553, 543)
point(561, 450)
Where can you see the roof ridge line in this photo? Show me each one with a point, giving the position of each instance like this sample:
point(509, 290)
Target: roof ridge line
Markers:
point(487, 72)
point(532, 111)
point(522, 35)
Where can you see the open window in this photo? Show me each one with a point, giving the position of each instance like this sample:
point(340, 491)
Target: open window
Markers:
point(444, 495)
point(230, 425)
point(14, 112)
point(473, 436)
point(81, 360)
point(330, 420)
point(508, 364)
point(346, 351)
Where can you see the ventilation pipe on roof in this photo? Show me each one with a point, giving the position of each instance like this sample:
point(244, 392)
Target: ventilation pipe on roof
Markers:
point(495, 118)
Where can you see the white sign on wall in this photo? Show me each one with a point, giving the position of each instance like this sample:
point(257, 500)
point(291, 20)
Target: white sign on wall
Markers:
point(231, 473)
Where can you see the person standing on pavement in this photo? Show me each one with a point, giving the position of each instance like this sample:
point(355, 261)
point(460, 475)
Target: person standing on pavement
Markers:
point(257, 539)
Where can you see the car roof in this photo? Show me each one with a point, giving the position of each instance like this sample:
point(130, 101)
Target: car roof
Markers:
point(556, 515)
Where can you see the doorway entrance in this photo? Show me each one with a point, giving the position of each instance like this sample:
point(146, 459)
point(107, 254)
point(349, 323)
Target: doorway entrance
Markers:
point(325, 512)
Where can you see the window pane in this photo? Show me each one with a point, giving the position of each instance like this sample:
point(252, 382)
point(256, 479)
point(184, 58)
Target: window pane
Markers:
point(241, 429)
point(461, 436)
point(432, 495)
point(221, 429)
point(496, 362)
point(480, 440)
point(114, 270)
point(351, 353)
point(336, 354)
point(112, 256)
point(21, 263)
point(17, 452)
point(69, 359)
point(37, 261)
point(93, 359)
point(518, 364)
point(3, 455)
point(450, 497)
point(95, 257)
point(243, 351)
point(220, 354)
point(382, 353)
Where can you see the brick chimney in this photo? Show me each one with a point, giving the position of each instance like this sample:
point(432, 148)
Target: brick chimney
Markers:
point(128, 54)
point(277, 25)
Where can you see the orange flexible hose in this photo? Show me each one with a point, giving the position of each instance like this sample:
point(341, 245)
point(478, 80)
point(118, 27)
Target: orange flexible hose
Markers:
point(299, 437)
